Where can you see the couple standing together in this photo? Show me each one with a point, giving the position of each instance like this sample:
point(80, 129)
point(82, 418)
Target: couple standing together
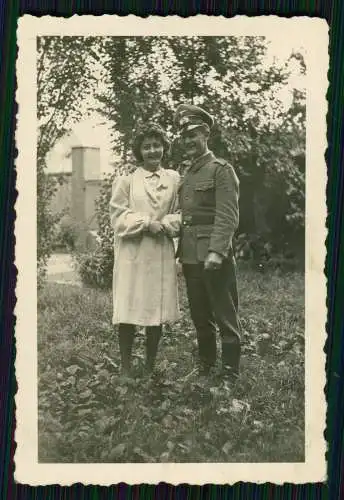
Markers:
point(152, 206)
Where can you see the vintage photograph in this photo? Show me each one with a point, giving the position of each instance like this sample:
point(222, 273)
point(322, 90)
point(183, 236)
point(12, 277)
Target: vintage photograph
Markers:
point(171, 240)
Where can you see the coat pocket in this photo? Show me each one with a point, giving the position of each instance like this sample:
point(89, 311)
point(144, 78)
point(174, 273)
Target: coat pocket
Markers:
point(203, 241)
point(205, 192)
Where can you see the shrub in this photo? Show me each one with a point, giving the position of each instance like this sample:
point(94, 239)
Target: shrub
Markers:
point(65, 235)
point(46, 219)
point(95, 268)
point(263, 252)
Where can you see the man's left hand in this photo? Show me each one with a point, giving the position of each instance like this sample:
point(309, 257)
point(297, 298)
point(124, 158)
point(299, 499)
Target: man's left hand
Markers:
point(213, 261)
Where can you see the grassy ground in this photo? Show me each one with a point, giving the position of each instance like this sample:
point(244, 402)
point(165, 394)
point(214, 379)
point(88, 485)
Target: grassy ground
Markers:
point(88, 413)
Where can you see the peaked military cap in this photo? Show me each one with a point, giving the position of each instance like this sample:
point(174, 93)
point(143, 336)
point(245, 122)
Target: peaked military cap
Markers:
point(188, 117)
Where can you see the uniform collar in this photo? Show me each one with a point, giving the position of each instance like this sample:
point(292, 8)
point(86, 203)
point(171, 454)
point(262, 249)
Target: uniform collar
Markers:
point(202, 160)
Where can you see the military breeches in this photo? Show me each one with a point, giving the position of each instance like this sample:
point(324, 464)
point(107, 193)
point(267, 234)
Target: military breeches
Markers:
point(213, 300)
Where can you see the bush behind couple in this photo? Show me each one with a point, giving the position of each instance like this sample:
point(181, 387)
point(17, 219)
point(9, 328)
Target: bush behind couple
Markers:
point(151, 207)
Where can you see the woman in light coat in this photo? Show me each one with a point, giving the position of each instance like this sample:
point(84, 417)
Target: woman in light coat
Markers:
point(145, 220)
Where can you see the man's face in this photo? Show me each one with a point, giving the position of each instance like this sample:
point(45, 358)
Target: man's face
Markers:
point(195, 142)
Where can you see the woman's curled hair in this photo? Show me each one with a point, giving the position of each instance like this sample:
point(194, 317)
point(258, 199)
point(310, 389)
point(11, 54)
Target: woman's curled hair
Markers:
point(149, 130)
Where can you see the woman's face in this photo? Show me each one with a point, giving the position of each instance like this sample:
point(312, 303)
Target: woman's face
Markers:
point(152, 151)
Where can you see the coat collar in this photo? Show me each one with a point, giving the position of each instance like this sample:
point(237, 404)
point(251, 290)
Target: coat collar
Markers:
point(160, 174)
point(148, 174)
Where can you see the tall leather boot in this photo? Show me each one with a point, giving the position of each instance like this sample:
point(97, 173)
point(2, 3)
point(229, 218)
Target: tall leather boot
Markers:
point(231, 352)
point(206, 340)
point(153, 335)
point(126, 333)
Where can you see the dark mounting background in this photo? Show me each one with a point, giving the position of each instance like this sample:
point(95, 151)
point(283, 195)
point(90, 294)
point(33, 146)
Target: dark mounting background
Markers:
point(333, 12)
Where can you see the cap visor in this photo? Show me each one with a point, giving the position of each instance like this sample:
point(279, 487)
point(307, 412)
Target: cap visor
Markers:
point(187, 128)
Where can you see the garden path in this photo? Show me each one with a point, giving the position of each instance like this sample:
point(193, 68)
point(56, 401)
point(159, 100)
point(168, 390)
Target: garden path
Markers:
point(61, 270)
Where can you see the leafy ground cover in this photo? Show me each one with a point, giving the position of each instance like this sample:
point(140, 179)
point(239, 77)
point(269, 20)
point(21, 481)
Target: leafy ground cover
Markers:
point(89, 413)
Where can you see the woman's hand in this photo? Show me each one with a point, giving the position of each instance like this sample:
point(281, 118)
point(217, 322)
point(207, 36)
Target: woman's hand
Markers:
point(155, 227)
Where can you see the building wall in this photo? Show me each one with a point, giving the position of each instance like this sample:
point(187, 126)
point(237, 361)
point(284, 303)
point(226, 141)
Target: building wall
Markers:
point(91, 158)
point(91, 194)
point(61, 201)
point(77, 195)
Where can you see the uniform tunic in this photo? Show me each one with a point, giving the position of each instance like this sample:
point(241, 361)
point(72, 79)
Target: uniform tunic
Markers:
point(144, 276)
point(209, 198)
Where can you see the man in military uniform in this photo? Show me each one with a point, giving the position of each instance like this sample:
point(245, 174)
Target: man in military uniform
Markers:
point(209, 197)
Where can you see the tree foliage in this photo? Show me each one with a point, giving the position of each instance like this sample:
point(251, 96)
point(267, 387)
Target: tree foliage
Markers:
point(147, 77)
point(65, 76)
point(135, 79)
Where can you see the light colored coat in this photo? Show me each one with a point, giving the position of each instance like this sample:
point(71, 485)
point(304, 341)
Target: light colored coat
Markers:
point(145, 276)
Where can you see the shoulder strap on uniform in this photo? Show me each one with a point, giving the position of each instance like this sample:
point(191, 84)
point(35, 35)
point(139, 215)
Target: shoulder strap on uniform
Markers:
point(224, 163)
point(221, 161)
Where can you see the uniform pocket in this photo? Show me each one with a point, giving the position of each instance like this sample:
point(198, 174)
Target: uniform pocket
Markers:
point(204, 185)
point(205, 193)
